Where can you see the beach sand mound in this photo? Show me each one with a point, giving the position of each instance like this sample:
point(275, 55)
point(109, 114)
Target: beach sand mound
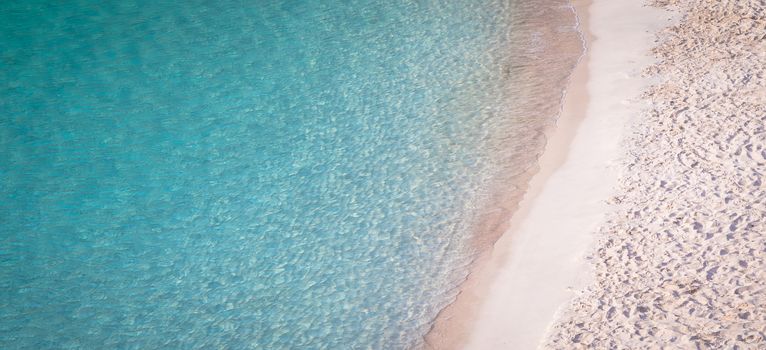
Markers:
point(681, 262)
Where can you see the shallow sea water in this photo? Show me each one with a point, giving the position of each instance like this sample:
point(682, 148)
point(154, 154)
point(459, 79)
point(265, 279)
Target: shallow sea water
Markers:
point(254, 174)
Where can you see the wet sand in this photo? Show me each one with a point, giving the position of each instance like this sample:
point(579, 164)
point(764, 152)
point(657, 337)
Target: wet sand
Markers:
point(515, 292)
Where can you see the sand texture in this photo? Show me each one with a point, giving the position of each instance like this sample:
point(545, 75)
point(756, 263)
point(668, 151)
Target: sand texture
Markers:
point(680, 262)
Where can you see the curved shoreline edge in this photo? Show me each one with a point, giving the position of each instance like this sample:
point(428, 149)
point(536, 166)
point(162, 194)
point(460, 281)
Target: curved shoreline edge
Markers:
point(515, 291)
point(454, 325)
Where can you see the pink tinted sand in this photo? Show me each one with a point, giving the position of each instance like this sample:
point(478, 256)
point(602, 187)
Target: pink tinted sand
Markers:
point(516, 288)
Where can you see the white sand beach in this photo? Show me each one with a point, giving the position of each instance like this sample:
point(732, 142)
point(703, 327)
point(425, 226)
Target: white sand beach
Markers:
point(681, 261)
point(536, 266)
point(644, 227)
point(541, 259)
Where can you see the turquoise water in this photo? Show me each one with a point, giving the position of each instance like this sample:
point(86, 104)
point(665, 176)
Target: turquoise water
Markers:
point(242, 174)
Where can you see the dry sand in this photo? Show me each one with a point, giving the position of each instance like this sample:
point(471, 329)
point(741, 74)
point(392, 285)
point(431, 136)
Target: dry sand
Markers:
point(680, 262)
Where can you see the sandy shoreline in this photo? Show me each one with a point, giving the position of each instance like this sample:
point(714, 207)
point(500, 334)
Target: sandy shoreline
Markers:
point(452, 327)
point(681, 260)
point(515, 292)
point(645, 226)
point(545, 254)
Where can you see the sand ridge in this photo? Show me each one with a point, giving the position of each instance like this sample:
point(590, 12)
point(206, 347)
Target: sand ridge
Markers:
point(681, 260)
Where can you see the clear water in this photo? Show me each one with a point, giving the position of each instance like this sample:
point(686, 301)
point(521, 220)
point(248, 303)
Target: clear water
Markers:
point(245, 174)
